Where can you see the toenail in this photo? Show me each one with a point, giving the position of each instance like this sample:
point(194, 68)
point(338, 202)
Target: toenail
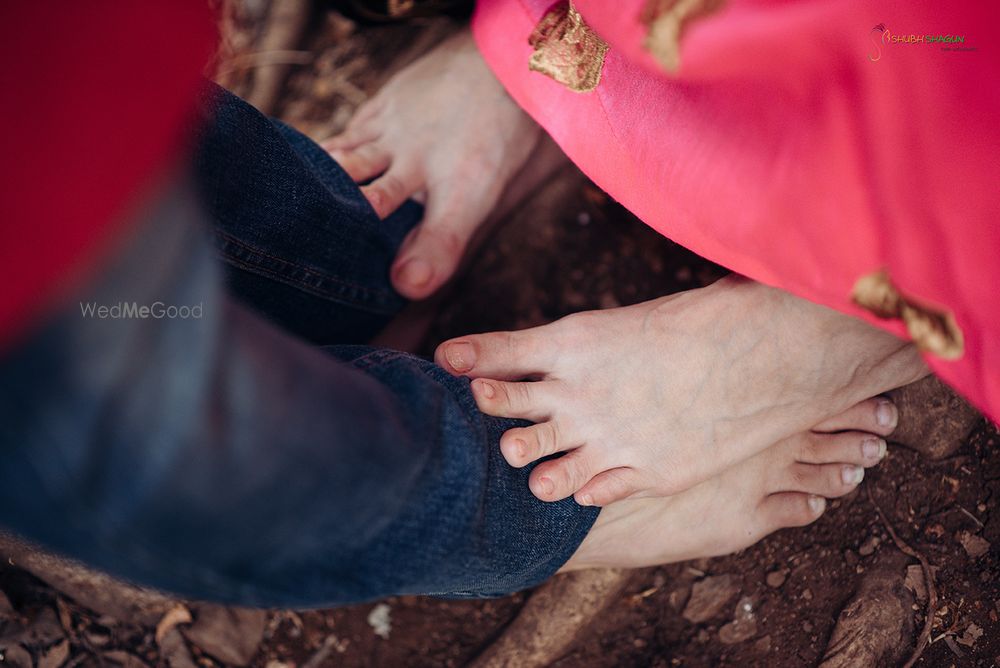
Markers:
point(852, 475)
point(416, 272)
point(886, 413)
point(520, 448)
point(817, 504)
point(461, 356)
point(873, 448)
point(545, 484)
point(586, 500)
point(487, 389)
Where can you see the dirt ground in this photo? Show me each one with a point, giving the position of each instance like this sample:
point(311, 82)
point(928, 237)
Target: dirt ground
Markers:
point(569, 248)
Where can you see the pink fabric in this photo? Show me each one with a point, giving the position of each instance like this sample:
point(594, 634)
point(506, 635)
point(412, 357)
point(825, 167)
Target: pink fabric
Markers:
point(782, 151)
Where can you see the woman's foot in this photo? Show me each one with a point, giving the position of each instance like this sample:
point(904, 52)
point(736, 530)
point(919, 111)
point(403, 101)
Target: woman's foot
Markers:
point(444, 131)
point(655, 398)
point(784, 486)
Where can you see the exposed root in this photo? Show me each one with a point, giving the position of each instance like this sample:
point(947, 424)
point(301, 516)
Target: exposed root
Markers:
point(553, 618)
point(925, 634)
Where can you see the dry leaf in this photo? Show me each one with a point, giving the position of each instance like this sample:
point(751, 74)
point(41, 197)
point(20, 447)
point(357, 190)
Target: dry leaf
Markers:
point(44, 630)
point(124, 659)
point(231, 635)
point(974, 545)
point(65, 617)
point(710, 596)
point(16, 656)
point(971, 635)
point(175, 651)
point(55, 656)
point(179, 614)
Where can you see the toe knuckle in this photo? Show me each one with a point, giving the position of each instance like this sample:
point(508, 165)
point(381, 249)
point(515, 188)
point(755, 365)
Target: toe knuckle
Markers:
point(520, 394)
point(391, 186)
point(514, 345)
point(808, 449)
point(502, 396)
point(578, 472)
point(548, 438)
point(452, 242)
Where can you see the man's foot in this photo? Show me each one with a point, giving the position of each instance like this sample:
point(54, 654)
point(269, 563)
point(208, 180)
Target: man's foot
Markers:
point(444, 131)
point(655, 398)
point(783, 486)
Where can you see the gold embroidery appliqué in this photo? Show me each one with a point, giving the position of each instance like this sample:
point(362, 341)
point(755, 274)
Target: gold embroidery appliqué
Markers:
point(567, 50)
point(933, 330)
point(667, 20)
point(400, 7)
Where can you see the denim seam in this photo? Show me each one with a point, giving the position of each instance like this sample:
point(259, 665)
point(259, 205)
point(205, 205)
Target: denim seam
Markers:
point(251, 258)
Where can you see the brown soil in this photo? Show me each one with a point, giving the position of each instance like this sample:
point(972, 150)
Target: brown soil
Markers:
point(571, 249)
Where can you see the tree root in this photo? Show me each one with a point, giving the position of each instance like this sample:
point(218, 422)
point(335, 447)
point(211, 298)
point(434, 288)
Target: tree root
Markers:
point(877, 623)
point(925, 634)
point(553, 617)
point(91, 589)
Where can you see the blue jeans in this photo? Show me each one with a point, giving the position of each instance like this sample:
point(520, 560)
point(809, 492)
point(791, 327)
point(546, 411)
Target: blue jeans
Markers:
point(251, 449)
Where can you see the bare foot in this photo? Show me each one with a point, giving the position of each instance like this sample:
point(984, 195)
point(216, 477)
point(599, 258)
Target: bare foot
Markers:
point(783, 486)
point(442, 130)
point(655, 398)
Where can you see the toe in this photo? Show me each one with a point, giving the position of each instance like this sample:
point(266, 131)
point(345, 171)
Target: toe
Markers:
point(528, 401)
point(436, 250)
point(790, 509)
point(350, 138)
point(878, 416)
point(363, 162)
point(439, 243)
point(557, 479)
point(521, 446)
point(609, 486)
point(829, 480)
point(506, 355)
point(849, 447)
point(388, 192)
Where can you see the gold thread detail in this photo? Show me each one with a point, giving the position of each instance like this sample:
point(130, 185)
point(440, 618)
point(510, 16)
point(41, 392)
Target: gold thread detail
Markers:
point(667, 21)
point(934, 330)
point(567, 50)
point(399, 8)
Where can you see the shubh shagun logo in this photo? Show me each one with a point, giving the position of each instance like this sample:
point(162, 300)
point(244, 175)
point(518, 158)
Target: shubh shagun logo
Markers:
point(881, 36)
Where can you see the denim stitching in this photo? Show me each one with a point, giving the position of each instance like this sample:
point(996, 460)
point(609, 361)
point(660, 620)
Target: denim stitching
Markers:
point(250, 258)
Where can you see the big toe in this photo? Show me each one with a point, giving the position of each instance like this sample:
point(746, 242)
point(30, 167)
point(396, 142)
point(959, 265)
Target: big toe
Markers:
point(500, 355)
point(877, 416)
point(428, 259)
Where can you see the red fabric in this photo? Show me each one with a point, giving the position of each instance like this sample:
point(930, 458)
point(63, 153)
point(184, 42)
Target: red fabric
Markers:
point(97, 97)
point(781, 151)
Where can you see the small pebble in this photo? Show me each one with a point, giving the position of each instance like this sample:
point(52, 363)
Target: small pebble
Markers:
point(776, 578)
point(869, 546)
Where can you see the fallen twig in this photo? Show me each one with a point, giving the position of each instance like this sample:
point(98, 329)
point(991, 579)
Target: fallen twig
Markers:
point(248, 61)
point(925, 634)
